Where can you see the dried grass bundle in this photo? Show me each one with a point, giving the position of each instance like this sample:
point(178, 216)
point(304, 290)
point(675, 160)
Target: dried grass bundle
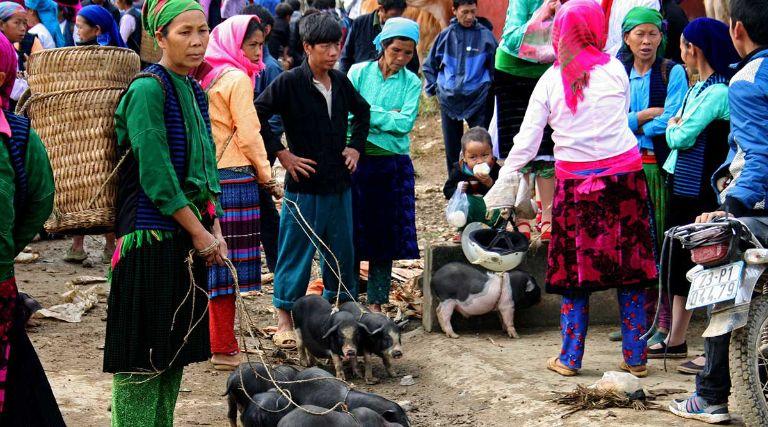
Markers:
point(584, 398)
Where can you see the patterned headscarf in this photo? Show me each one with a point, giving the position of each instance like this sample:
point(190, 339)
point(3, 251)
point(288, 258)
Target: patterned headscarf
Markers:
point(645, 15)
point(49, 16)
point(578, 37)
point(9, 8)
point(156, 14)
point(8, 65)
point(225, 50)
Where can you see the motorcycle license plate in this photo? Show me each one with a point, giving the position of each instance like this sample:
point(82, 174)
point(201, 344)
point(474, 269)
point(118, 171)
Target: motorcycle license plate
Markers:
point(715, 285)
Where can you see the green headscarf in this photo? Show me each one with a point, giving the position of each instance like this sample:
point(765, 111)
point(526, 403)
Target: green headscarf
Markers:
point(644, 15)
point(156, 14)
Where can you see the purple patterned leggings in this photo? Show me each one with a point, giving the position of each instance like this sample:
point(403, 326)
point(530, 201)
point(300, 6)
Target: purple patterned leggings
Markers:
point(574, 321)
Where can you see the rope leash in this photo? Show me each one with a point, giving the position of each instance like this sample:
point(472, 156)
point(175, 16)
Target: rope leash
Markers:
point(245, 323)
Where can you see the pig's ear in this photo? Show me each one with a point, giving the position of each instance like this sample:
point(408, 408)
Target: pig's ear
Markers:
point(402, 324)
point(390, 416)
point(330, 331)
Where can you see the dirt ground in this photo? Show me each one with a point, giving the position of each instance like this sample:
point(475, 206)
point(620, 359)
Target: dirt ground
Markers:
point(480, 379)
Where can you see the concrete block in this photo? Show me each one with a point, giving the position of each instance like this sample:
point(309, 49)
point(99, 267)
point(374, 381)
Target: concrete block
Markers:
point(603, 305)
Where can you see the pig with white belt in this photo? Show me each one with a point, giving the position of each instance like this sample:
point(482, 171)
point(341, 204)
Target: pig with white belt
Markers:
point(471, 292)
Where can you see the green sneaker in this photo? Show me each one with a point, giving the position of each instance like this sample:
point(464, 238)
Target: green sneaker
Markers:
point(657, 338)
point(75, 257)
point(614, 336)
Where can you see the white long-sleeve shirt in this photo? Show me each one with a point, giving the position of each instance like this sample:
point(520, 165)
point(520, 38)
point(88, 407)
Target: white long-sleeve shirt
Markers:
point(619, 11)
point(42, 33)
point(598, 130)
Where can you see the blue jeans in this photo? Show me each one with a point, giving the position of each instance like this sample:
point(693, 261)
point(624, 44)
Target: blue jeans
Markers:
point(330, 216)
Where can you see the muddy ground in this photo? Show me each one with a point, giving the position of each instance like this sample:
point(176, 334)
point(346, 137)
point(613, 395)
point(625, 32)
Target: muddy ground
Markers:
point(480, 379)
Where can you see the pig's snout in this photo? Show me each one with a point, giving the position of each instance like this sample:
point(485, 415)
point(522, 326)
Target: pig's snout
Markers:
point(349, 353)
point(397, 354)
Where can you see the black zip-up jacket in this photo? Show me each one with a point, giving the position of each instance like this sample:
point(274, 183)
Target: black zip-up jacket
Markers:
point(359, 45)
point(308, 129)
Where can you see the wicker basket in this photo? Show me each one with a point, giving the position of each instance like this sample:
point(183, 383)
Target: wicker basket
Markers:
point(150, 52)
point(77, 128)
point(81, 68)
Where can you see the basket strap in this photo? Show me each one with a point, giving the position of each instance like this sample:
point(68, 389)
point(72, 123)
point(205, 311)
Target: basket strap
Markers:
point(21, 107)
point(109, 178)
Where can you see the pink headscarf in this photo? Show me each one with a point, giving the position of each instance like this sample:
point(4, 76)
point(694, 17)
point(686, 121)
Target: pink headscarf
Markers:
point(225, 51)
point(578, 36)
point(8, 65)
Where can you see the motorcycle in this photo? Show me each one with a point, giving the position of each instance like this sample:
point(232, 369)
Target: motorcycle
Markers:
point(730, 279)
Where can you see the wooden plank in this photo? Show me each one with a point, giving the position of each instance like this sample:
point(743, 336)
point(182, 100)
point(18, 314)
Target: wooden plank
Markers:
point(429, 301)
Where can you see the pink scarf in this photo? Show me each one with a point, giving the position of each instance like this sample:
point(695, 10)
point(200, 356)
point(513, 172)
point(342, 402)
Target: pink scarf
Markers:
point(224, 51)
point(578, 36)
point(8, 65)
point(630, 161)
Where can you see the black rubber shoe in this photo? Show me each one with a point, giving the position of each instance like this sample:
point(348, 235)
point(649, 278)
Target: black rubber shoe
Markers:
point(674, 352)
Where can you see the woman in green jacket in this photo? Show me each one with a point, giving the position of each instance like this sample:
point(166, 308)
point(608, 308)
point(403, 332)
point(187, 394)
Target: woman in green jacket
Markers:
point(167, 223)
point(26, 200)
point(383, 187)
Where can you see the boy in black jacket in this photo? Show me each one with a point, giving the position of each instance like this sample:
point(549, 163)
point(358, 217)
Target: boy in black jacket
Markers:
point(314, 101)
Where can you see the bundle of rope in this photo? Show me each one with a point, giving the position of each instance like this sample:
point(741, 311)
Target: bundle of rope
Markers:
point(246, 323)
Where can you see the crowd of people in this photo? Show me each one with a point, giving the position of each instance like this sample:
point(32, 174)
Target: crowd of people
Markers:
point(630, 121)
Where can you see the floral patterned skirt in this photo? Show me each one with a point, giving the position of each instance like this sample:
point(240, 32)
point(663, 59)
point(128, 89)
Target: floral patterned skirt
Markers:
point(601, 239)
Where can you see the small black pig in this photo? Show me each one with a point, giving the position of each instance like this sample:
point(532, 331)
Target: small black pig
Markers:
point(251, 378)
point(266, 409)
point(381, 337)
point(326, 391)
point(388, 409)
point(299, 417)
point(471, 292)
point(322, 333)
point(370, 418)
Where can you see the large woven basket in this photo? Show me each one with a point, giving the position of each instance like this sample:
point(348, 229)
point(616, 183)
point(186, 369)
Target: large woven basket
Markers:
point(81, 68)
point(150, 52)
point(77, 128)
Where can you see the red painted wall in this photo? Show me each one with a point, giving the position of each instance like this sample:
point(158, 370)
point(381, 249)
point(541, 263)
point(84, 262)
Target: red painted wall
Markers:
point(495, 11)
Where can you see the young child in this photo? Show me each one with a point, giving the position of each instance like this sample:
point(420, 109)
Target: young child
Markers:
point(458, 70)
point(476, 149)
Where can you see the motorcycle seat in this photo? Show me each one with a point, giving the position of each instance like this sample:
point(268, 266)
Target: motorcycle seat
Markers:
point(758, 225)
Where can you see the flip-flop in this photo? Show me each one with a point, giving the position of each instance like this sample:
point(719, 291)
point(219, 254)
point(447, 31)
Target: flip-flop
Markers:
point(555, 365)
point(281, 338)
point(640, 371)
point(222, 366)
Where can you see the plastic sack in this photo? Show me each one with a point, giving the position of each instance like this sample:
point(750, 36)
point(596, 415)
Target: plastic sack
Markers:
point(536, 45)
point(503, 194)
point(525, 206)
point(620, 382)
point(458, 208)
